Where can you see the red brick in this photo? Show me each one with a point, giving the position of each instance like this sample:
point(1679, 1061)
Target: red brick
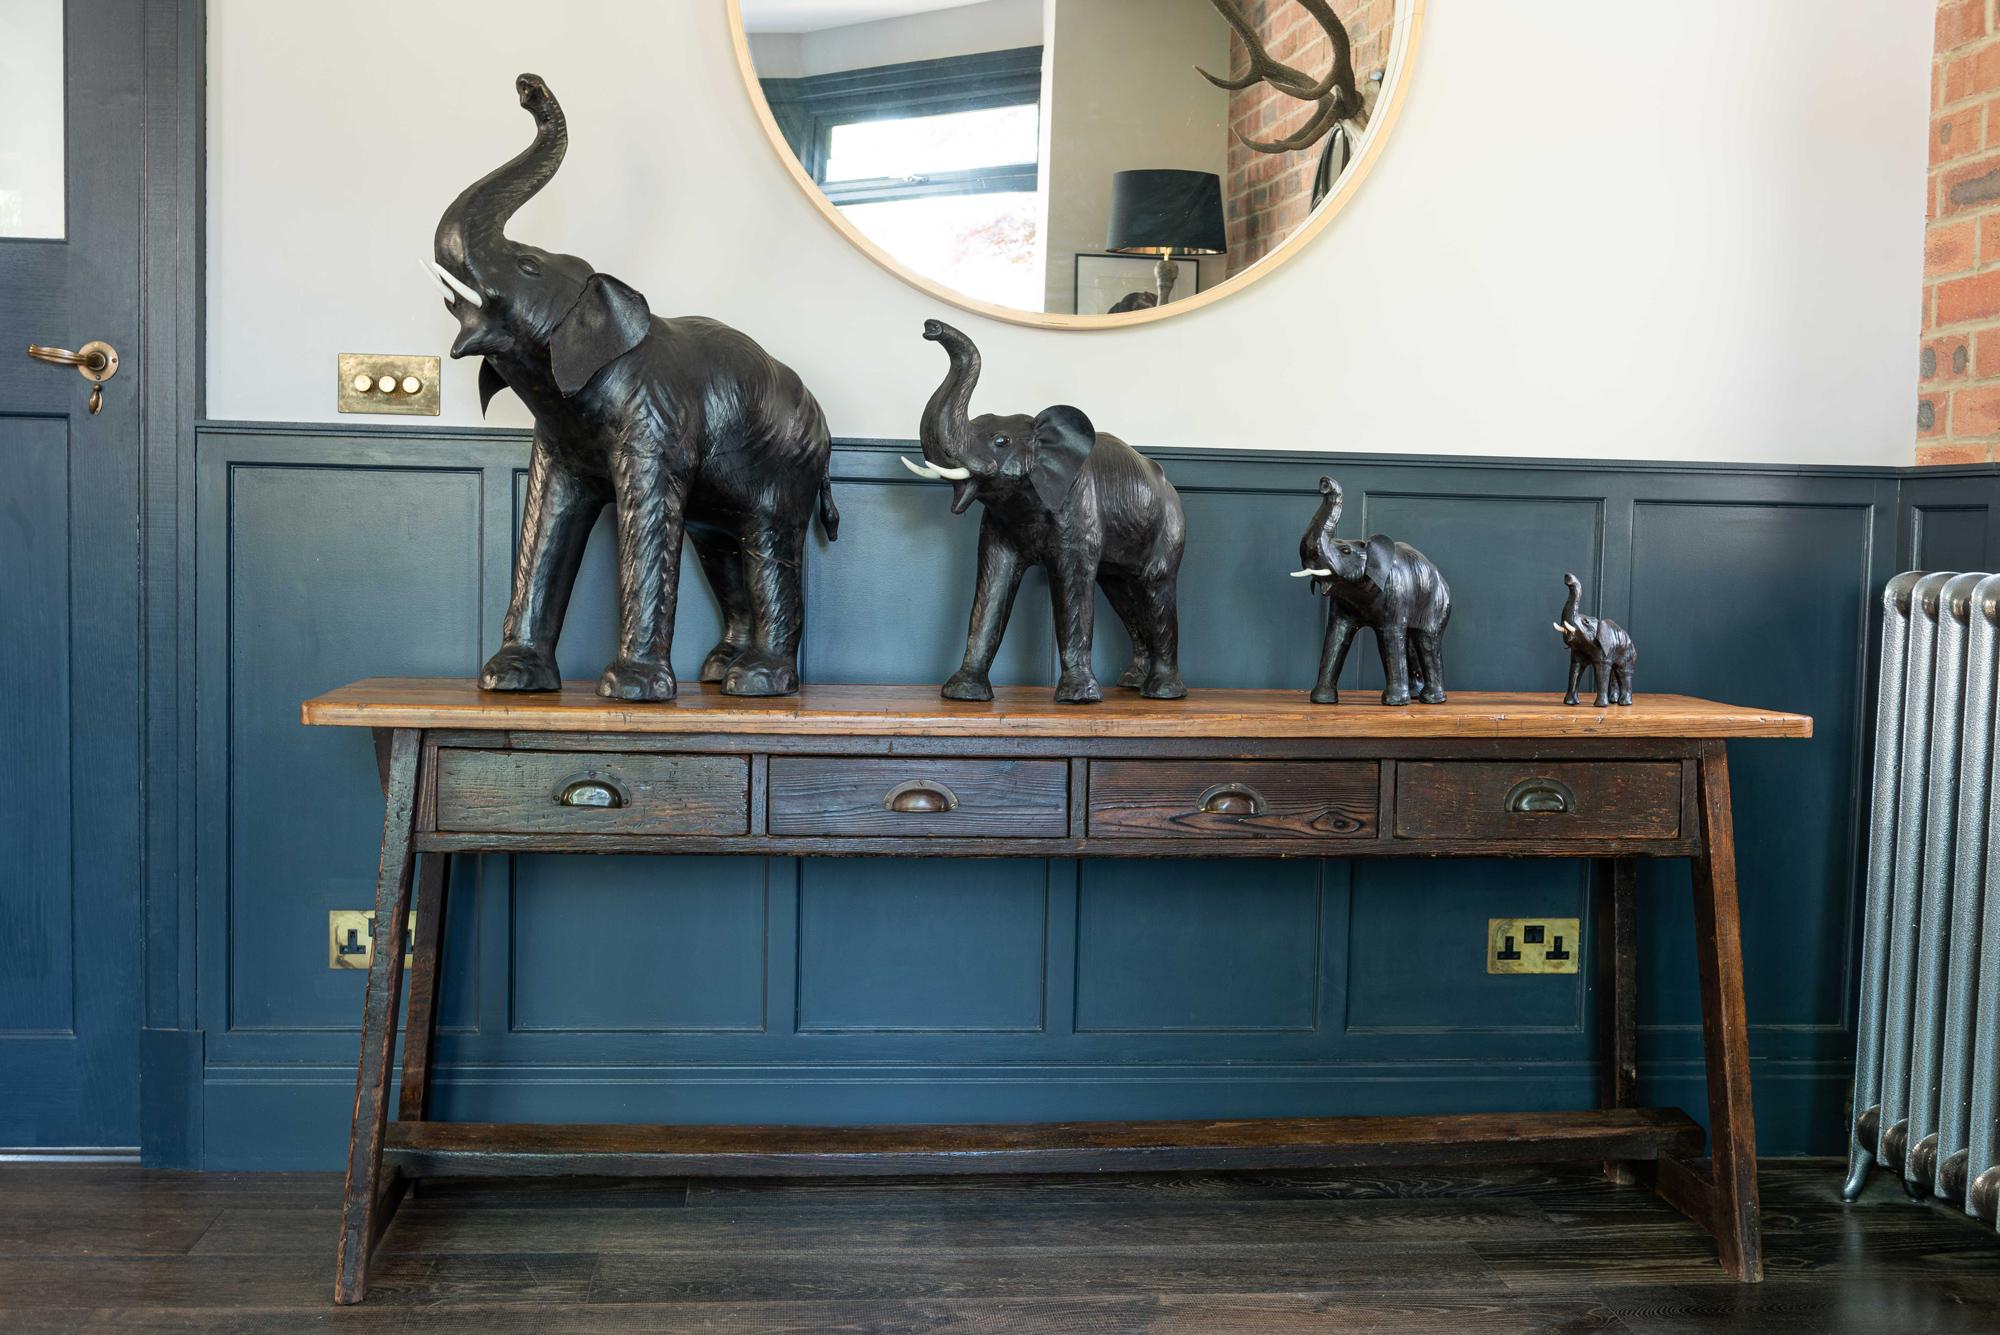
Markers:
point(1975, 411)
point(1953, 247)
point(1937, 455)
point(1957, 133)
point(1961, 300)
point(1986, 354)
point(1931, 415)
point(1945, 359)
point(1959, 22)
point(1970, 186)
point(1975, 72)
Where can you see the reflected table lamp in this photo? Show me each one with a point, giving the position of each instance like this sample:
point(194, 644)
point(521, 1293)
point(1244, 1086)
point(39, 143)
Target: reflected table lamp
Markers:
point(1170, 214)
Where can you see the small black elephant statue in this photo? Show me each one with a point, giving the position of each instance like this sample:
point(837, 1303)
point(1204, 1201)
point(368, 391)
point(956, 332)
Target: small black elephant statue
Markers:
point(1384, 584)
point(1600, 644)
point(1060, 494)
point(687, 425)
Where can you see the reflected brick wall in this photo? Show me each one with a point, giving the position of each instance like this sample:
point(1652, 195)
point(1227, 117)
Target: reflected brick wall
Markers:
point(1267, 195)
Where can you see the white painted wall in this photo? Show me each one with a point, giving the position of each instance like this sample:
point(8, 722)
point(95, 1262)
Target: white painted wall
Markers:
point(1689, 231)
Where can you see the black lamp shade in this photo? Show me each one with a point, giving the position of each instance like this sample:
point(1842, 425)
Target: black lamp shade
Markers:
point(1162, 212)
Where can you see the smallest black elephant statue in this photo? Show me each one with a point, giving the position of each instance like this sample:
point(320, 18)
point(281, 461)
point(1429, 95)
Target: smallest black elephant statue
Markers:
point(1600, 644)
point(1384, 584)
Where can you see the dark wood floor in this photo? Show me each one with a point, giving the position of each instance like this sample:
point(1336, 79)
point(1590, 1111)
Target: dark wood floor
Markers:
point(119, 1248)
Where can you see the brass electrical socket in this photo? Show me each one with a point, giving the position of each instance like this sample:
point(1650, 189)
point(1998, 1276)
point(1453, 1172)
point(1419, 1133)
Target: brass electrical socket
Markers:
point(350, 938)
point(363, 375)
point(1533, 945)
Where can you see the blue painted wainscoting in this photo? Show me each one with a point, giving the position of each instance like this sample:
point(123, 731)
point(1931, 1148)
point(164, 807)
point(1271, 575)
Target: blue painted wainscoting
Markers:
point(775, 989)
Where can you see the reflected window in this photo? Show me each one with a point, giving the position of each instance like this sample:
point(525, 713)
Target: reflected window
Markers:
point(936, 161)
point(31, 118)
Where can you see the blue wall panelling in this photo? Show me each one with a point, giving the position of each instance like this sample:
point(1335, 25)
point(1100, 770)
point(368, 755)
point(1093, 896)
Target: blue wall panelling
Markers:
point(836, 990)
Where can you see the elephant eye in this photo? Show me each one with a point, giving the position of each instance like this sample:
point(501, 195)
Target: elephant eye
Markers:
point(999, 440)
point(529, 267)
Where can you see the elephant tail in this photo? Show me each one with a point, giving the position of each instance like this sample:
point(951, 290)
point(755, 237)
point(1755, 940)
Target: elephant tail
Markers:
point(829, 516)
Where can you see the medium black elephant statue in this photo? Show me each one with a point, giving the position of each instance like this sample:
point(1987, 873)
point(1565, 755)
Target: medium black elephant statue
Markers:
point(1388, 585)
point(687, 425)
point(1600, 644)
point(1057, 493)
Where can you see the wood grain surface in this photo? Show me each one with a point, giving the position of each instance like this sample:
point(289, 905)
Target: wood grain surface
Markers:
point(1468, 799)
point(1334, 799)
point(519, 792)
point(843, 796)
point(1026, 711)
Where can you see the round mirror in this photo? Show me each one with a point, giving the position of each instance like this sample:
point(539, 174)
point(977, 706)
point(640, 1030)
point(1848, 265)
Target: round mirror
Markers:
point(1077, 163)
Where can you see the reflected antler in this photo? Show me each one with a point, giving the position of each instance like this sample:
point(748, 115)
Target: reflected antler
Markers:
point(1337, 97)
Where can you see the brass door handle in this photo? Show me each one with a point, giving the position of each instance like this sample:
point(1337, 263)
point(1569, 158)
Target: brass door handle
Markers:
point(96, 361)
point(587, 792)
point(920, 797)
point(1232, 799)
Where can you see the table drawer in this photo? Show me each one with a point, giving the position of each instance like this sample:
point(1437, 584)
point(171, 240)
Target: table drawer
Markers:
point(1513, 799)
point(838, 796)
point(1210, 799)
point(572, 792)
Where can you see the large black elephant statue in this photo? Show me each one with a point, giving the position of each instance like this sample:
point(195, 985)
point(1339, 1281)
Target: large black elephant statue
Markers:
point(1060, 494)
point(1382, 583)
point(687, 425)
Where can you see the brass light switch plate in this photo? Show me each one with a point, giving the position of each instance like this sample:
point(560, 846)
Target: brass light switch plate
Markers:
point(350, 938)
point(1533, 945)
point(381, 383)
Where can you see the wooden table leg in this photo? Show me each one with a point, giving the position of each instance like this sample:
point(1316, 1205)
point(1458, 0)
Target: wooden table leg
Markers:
point(420, 1030)
point(1618, 987)
point(1725, 1030)
point(367, 1201)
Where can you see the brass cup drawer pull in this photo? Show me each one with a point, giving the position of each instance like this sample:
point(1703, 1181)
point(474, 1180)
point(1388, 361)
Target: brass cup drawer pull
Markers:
point(1232, 799)
point(589, 792)
point(917, 797)
point(1541, 797)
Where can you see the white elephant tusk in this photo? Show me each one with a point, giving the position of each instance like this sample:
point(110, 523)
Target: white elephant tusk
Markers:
point(1570, 630)
point(951, 474)
point(458, 285)
point(430, 272)
point(1559, 627)
point(1301, 574)
point(921, 470)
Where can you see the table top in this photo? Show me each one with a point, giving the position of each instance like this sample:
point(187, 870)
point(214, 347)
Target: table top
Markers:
point(1028, 711)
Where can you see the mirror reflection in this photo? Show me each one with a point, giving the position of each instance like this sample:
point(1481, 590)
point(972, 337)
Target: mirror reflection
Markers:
point(1084, 157)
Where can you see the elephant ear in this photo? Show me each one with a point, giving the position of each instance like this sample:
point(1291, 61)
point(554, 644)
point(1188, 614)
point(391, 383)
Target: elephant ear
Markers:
point(608, 320)
point(1381, 561)
point(1064, 438)
point(491, 382)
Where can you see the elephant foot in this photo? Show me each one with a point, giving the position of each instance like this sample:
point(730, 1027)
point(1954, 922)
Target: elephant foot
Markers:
point(1571, 699)
point(637, 679)
point(716, 665)
point(1431, 695)
point(1133, 678)
point(1078, 688)
point(1602, 702)
point(520, 667)
point(1395, 699)
point(1164, 684)
point(760, 674)
point(1325, 695)
point(966, 684)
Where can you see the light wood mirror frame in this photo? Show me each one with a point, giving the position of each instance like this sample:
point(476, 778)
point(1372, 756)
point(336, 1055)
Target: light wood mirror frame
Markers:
point(1367, 150)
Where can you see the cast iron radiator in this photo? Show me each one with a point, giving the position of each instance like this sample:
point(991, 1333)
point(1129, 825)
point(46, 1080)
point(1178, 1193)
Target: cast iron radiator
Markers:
point(1927, 1053)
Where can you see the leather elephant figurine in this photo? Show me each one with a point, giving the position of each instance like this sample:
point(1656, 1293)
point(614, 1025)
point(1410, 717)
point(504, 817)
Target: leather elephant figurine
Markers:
point(687, 426)
point(1384, 584)
point(1600, 644)
point(1060, 494)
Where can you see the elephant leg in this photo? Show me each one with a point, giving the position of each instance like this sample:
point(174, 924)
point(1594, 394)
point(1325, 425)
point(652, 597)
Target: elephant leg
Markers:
point(1393, 641)
point(773, 555)
point(1073, 583)
point(1427, 650)
point(1128, 600)
point(1622, 685)
point(722, 562)
point(1000, 571)
point(652, 505)
point(1163, 676)
point(1333, 656)
point(555, 523)
point(1575, 679)
point(1603, 672)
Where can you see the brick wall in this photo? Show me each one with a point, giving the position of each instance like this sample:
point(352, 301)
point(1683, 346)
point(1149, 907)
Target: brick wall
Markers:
point(1267, 195)
point(1958, 403)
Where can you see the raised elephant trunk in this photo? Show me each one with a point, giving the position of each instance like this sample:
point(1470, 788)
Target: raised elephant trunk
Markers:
point(947, 417)
point(475, 224)
point(1566, 625)
point(1316, 547)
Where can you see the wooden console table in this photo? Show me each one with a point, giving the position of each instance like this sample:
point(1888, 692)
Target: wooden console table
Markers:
point(895, 770)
